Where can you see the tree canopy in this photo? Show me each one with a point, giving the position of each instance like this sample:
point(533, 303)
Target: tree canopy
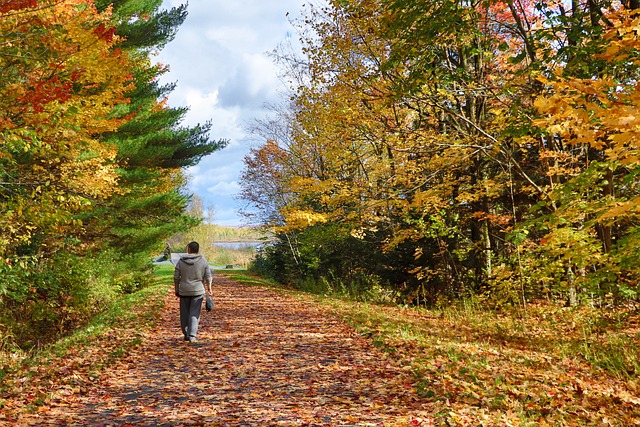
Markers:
point(447, 149)
point(92, 156)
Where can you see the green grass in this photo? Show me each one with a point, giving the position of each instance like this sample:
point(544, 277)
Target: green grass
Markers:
point(107, 338)
point(139, 308)
point(243, 276)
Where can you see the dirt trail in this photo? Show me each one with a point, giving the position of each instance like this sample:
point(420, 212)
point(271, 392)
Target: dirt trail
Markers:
point(263, 359)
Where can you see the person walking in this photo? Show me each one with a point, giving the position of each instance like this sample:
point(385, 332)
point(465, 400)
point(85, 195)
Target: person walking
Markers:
point(191, 275)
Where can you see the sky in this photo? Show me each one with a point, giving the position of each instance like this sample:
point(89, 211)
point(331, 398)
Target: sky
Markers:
point(220, 64)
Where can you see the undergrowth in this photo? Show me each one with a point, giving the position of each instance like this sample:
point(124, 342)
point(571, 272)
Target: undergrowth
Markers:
point(105, 339)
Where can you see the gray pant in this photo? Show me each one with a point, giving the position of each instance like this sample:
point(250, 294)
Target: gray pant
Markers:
point(190, 308)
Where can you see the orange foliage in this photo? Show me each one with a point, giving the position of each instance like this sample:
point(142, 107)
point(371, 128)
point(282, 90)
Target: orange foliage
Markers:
point(12, 5)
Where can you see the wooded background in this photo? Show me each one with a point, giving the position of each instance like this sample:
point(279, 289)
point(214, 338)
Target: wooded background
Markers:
point(455, 149)
point(426, 153)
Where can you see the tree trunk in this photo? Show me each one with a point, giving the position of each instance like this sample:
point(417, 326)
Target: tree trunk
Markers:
point(573, 292)
point(488, 255)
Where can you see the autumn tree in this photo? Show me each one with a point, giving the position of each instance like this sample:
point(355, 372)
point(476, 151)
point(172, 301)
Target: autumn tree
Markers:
point(589, 226)
point(438, 132)
point(317, 179)
point(91, 157)
point(391, 153)
point(61, 78)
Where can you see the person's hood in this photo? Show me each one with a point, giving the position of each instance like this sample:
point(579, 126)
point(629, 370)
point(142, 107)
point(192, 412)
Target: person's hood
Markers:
point(191, 258)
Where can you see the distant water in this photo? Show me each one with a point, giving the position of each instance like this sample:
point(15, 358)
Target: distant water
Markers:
point(237, 246)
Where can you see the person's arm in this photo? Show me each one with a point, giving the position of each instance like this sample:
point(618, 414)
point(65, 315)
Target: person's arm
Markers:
point(176, 280)
point(208, 279)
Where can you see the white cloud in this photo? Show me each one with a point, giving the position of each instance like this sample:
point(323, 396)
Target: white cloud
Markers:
point(227, 217)
point(205, 106)
point(224, 188)
point(223, 74)
point(240, 38)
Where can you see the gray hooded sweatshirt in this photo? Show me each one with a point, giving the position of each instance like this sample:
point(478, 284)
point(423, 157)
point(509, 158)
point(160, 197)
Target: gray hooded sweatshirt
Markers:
point(191, 272)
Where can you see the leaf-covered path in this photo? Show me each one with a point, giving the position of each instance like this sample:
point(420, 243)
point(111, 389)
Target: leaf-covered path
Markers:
point(263, 359)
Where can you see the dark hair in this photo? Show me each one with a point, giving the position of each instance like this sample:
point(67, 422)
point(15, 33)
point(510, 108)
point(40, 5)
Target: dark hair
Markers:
point(194, 247)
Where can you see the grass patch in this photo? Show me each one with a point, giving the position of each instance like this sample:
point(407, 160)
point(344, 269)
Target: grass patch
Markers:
point(480, 368)
point(80, 357)
point(243, 276)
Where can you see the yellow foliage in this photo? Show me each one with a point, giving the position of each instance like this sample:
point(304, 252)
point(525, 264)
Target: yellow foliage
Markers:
point(298, 219)
point(55, 104)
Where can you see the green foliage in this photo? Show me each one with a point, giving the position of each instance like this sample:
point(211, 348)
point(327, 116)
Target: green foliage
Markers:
point(153, 32)
point(328, 260)
point(106, 337)
point(91, 160)
point(47, 298)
